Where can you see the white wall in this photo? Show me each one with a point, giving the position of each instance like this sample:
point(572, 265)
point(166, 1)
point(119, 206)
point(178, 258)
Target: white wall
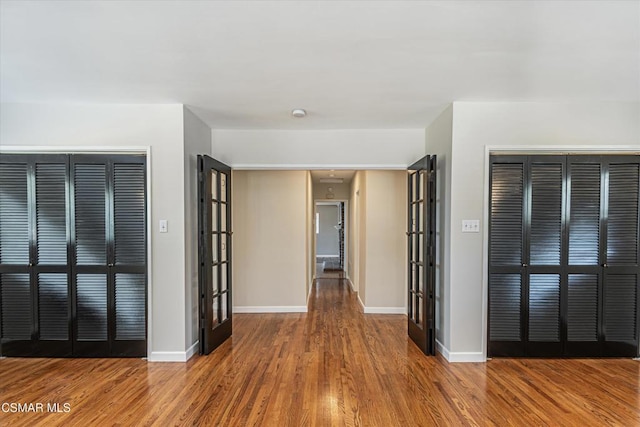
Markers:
point(269, 247)
point(362, 148)
point(386, 242)
point(438, 138)
point(531, 126)
point(197, 140)
point(158, 127)
point(327, 240)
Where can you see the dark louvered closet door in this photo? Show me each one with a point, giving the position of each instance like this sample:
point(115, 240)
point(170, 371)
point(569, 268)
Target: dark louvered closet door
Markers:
point(36, 311)
point(90, 237)
point(621, 257)
point(574, 223)
point(128, 269)
point(109, 237)
point(52, 272)
point(584, 273)
point(15, 284)
point(506, 238)
point(73, 255)
point(544, 249)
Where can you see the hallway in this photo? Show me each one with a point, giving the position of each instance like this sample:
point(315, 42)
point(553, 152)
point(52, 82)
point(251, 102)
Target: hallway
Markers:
point(332, 366)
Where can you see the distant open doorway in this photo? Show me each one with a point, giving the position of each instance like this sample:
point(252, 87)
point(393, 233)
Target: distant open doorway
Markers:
point(330, 236)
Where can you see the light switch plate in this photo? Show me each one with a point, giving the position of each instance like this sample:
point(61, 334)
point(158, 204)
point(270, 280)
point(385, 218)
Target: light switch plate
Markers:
point(164, 226)
point(470, 225)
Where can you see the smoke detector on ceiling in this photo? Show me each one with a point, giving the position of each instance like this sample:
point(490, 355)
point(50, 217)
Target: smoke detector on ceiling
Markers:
point(298, 113)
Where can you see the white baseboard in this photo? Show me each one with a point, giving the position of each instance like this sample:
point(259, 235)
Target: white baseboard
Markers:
point(271, 309)
point(353, 288)
point(191, 351)
point(442, 349)
point(384, 310)
point(361, 303)
point(167, 356)
point(460, 356)
point(466, 357)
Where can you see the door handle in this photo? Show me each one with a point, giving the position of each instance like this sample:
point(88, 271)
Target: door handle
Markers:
point(605, 265)
point(525, 265)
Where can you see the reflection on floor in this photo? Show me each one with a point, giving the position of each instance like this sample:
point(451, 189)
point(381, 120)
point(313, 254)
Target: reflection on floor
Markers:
point(332, 366)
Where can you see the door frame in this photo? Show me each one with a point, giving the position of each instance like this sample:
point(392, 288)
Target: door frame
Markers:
point(529, 150)
point(111, 150)
point(345, 226)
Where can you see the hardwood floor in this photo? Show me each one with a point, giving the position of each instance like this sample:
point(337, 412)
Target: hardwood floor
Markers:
point(333, 366)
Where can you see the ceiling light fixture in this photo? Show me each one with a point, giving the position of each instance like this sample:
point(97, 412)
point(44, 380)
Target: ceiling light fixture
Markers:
point(298, 112)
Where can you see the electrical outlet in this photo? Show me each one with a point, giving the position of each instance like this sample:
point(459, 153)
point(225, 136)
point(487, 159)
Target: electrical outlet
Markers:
point(164, 226)
point(470, 225)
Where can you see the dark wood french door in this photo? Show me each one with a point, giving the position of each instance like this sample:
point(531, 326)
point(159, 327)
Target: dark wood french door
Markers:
point(564, 256)
point(421, 245)
point(214, 251)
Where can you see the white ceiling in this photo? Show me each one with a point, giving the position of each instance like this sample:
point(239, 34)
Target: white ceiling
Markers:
point(360, 64)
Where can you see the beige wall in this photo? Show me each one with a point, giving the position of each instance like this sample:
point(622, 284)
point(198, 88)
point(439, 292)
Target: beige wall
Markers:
point(386, 241)
point(356, 256)
point(270, 240)
point(340, 191)
point(311, 234)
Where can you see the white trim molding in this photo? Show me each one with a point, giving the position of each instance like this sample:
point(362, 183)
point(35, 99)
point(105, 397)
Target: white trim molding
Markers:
point(440, 348)
point(353, 288)
point(168, 356)
point(270, 309)
point(191, 351)
point(462, 356)
point(466, 357)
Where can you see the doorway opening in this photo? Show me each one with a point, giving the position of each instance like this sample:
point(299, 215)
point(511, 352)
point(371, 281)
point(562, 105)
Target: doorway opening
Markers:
point(330, 236)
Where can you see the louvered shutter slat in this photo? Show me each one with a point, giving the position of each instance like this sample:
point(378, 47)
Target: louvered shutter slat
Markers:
point(622, 221)
point(53, 306)
point(582, 307)
point(51, 209)
point(506, 214)
point(546, 214)
point(505, 307)
point(544, 307)
point(91, 308)
point(130, 306)
point(620, 296)
point(129, 213)
point(90, 189)
point(16, 306)
point(14, 218)
point(584, 215)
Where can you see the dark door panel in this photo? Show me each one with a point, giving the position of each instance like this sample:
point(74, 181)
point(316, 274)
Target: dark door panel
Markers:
point(214, 252)
point(421, 253)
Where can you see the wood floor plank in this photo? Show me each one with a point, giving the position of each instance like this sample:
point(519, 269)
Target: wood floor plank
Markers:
point(333, 366)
